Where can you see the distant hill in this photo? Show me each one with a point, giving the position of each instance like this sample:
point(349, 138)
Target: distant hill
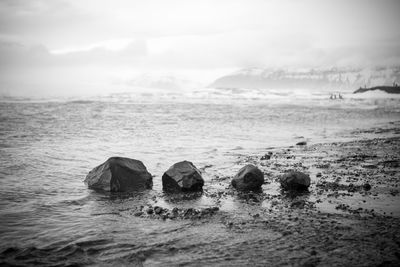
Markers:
point(162, 82)
point(331, 79)
point(387, 89)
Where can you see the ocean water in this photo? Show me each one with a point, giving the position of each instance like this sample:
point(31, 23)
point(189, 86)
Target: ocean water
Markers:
point(48, 216)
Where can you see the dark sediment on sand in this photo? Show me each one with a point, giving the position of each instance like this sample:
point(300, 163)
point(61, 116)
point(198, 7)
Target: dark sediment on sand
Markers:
point(350, 216)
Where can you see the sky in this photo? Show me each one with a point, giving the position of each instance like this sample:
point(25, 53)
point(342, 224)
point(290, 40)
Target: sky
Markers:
point(62, 47)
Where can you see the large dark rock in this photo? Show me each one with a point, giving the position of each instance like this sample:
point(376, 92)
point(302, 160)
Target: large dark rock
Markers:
point(302, 143)
point(248, 178)
point(120, 175)
point(388, 89)
point(182, 176)
point(295, 180)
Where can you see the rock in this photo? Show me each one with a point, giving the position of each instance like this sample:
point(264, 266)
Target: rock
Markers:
point(367, 187)
point(248, 178)
point(387, 89)
point(302, 143)
point(149, 211)
point(171, 215)
point(189, 212)
point(266, 157)
point(138, 214)
point(182, 176)
point(119, 174)
point(175, 210)
point(158, 210)
point(295, 180)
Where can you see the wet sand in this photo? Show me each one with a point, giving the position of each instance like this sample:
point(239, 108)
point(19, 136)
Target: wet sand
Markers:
point(349, 217)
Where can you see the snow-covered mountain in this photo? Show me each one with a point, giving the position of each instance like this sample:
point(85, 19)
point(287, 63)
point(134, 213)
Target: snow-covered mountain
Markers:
point(162, 82)
point(329, 79)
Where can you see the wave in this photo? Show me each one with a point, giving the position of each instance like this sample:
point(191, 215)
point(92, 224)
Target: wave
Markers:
point(302, 97)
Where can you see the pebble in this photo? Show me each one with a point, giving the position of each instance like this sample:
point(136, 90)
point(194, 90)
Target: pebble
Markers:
point(302, 143)
point(149, 211)
point(367, 187)
point(158, 210)
point(139, 213)
point(266, 157)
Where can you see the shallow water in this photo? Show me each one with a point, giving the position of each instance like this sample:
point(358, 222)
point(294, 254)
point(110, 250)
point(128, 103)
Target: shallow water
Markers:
point(48, 147)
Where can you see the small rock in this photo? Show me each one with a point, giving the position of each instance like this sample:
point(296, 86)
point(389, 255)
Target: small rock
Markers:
point(302, 143)
point(266, 157)
point(175, 210)
point(138, 214)
point(295, 180)
point(171, 215)
point(248, 178)
point(215, 208)
point(188, 212)
point(182, 176)
point(367, 187)
point(158, 210)
point(149, 211)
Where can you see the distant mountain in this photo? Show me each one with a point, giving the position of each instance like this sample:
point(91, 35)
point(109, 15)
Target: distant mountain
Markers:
point(387, 89)
point(332, 79)
point(166, 82)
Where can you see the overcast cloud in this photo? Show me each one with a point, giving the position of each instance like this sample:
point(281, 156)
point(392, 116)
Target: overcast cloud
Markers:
point(65, 46)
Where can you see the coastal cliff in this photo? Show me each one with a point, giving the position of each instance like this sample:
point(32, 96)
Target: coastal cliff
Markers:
point(387, 89)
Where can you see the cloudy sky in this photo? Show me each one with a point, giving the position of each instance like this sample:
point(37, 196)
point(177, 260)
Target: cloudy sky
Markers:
point(63, 47)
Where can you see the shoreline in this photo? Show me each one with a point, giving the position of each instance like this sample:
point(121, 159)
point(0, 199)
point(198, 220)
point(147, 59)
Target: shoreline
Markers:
point(350, 212)
point(339, 221)
point(351, 206)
